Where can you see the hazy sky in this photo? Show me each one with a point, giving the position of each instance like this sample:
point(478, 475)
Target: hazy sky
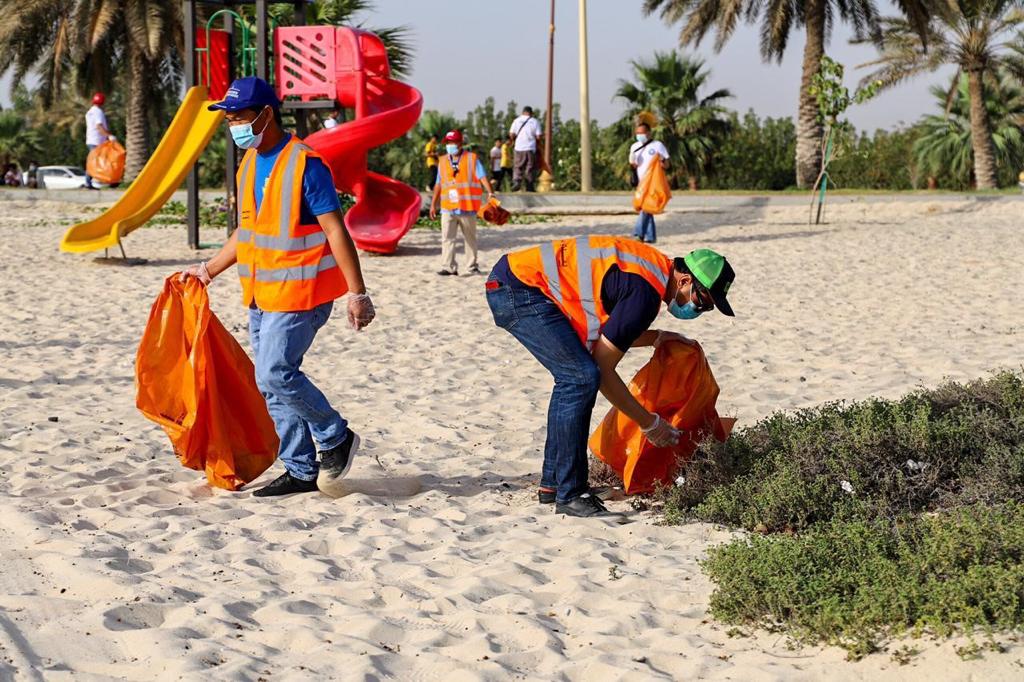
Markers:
point(469, 49)
point(466, 50)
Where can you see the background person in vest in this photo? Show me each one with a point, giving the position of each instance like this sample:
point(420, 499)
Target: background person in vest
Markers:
point(461, 182)
point(430, 154)
point(294, 258)
point(526, 131)
point(97, 129)
point(642, 154)
point(578, 305)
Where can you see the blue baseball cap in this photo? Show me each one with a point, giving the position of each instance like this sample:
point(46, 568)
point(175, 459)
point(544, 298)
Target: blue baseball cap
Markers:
point(248, 93)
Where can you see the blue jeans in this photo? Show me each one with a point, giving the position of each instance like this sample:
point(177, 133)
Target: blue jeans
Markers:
point(537, 323)
point(644, 229)
point(302, 416)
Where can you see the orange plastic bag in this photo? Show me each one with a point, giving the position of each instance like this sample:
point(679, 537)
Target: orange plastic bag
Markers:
point(677, 384)
point(493, 213)
point(106, 162)
point(193, 379)
point(654, 192)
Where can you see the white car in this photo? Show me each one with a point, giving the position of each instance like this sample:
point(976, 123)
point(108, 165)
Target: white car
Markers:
point(60, 177)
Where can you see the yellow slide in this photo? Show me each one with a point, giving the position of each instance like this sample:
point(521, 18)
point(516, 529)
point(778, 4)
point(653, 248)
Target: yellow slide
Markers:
point(184, 141)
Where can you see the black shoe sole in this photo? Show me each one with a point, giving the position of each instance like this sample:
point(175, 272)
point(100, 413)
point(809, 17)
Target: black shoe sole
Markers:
point(329, 481)
point(545, 497)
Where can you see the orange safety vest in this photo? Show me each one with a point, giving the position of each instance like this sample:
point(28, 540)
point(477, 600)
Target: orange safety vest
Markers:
point(460, 191)
point(284, 266)
point(570, 273)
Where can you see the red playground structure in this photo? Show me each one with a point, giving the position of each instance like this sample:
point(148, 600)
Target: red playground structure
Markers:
point(351, 67)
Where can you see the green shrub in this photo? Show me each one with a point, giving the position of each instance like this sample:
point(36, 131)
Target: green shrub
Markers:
point(933, 449)
point(854, 582)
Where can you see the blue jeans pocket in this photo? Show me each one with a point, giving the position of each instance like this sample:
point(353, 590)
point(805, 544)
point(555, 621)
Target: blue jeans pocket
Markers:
point(502, 307)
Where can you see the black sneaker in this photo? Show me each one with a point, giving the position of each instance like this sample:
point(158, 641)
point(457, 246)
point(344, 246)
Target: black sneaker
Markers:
point(335, 463)
point(475, 270)
point(285, 484)
point(585, 506)
point(447, 273)
point(546, 496)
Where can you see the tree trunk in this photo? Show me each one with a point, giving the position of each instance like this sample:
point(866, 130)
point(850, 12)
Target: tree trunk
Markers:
point(691, 181)
point(809, 129)
point(933, 183)
point(137, 132)
point(981, 134)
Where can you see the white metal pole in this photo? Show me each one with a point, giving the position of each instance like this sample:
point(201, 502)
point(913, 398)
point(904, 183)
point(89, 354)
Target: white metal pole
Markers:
point(585, 154)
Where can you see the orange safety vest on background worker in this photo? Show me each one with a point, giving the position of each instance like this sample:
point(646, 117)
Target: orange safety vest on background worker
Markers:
point(284, 266)
point(570, 272)
point(461, 191)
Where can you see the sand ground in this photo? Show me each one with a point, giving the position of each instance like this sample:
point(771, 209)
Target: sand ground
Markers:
point(116, 563)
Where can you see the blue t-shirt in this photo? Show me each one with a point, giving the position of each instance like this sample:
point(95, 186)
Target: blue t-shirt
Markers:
point(318, 193)
point(480, 173)
point(632, 303)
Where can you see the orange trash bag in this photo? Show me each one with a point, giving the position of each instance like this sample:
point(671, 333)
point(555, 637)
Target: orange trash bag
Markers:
point(654, 192)
point(106, 162)
point(493, 213)
point(678, 385)
point(193, 379)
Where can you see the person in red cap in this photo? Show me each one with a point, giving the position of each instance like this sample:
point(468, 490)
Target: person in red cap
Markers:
point(97, 130)
point(459, 191)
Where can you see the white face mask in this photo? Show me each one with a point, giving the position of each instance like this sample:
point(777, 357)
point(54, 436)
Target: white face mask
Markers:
point(641, 138)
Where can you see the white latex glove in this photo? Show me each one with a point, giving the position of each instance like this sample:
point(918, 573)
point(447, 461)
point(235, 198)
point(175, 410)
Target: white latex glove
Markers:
point(661, 433)
point(198, 271)
point(360, 311)
point(664, 336)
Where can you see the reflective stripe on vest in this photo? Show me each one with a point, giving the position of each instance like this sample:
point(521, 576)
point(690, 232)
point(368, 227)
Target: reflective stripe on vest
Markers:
point(291, 274)
point(586, 257)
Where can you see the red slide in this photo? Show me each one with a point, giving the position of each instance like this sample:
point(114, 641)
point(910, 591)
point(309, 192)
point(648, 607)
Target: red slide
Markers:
point(385, 109)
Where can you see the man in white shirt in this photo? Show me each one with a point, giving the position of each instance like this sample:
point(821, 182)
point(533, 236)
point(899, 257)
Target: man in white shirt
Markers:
point(525, 130)
point(642, 154)
point(97, 130)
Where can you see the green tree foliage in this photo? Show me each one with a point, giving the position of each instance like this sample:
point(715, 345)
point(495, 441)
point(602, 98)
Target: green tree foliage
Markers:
point(17, 143)
point(944, 147)
point(688, 123)
point(979, 37)
point(778, 21)
point(756, 154)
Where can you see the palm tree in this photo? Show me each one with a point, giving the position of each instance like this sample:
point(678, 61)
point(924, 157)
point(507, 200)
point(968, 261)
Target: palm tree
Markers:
point(945, 144)
point(96, 40)
point(689, 125)
point(979, 37)
point(778, 19)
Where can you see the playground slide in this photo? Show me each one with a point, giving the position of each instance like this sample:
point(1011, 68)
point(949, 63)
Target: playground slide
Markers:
point(385, 209)
point(184, 141)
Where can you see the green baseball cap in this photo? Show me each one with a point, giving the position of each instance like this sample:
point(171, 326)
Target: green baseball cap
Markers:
point(714, 273)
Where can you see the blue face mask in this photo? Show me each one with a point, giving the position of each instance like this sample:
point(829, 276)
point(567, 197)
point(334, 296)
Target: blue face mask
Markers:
point(684, 312)
point(452, 149)
point(641, 138)
point(244, 137)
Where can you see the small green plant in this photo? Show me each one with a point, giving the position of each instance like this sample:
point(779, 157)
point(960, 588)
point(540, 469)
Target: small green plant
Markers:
point(614, 573)
point(904, 655)
point(833, 100)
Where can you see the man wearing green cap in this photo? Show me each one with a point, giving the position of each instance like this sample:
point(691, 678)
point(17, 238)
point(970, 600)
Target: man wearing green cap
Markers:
point(578, 305)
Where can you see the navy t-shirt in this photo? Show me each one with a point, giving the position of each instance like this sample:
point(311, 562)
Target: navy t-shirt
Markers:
point(630, 300)
point(318, 193)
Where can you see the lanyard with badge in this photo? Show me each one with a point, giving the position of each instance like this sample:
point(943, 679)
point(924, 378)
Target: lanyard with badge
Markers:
point(453, 193)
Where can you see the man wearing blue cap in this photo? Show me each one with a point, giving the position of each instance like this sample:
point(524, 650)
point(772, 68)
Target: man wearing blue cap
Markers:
point(294, 259)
